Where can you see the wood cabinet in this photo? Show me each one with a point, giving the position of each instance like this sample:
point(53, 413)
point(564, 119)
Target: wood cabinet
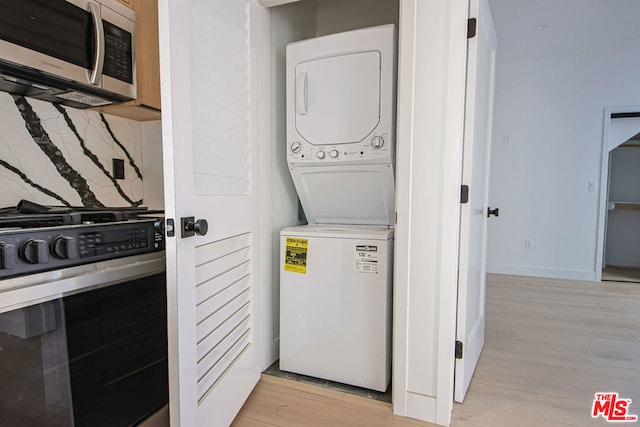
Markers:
point(147, 105)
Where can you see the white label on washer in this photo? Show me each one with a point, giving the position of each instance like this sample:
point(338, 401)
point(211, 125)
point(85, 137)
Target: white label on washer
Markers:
point(366, 259)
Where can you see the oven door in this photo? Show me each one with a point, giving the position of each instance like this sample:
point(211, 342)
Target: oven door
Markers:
point(34, 369)
point(95, 358)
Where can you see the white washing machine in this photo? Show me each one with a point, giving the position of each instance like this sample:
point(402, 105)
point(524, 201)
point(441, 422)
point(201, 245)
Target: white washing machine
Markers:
point(335, 303)
point(341, 101)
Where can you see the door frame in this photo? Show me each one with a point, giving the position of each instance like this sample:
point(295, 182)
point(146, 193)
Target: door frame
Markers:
point(603, 193)
point(432, 66)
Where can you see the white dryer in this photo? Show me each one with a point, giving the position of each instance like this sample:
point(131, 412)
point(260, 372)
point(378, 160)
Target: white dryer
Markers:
point(340, 125)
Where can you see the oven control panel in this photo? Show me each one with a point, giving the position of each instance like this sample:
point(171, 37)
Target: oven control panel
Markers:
point(31, 250)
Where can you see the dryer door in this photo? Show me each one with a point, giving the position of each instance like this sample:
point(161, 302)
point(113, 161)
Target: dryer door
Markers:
point(337, 98)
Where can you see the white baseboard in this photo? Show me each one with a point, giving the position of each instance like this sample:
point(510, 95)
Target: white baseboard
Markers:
point(550, 273)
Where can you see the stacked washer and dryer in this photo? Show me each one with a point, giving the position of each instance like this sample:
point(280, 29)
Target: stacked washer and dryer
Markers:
point(336, 272)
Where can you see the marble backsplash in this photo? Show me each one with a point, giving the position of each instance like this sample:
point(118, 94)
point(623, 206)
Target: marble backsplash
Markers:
point(56, 155)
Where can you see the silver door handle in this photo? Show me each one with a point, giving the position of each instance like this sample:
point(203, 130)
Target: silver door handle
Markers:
point(96, 72)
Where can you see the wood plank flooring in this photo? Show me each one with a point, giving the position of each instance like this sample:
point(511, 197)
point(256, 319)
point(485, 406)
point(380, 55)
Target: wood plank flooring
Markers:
point(621, 274)
point(550, 346)
point(282, 402)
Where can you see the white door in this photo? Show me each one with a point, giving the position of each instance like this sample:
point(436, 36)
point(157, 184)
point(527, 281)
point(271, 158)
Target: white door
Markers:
point(210, 172)
point(473, 215)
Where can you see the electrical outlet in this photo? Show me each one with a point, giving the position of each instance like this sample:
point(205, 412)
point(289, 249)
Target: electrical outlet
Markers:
point(592, 186)
point(528, 244)
point(506, 138)
point(118, 168)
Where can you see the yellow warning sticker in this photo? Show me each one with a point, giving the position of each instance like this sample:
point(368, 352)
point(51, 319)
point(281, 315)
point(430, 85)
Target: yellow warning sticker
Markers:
point(295, 255)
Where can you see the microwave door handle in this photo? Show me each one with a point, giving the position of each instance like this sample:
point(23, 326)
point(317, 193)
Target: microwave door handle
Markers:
point(96, 72)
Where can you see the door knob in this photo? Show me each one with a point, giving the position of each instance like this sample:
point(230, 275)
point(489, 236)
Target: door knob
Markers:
point(495, 212)
point(191, 227)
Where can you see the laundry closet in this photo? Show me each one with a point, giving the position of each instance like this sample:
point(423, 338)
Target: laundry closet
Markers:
point(225, 157)
point(322, 170)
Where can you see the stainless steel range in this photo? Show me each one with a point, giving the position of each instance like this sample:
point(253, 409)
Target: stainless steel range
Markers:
point(83, 329)
point(35, 238)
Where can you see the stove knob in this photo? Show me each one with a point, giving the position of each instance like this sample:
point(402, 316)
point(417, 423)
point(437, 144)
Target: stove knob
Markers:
point(158, 226)
point(64, 247)
point(320, 155)
point(7, 256)
point(35, 251)
point(334, 154)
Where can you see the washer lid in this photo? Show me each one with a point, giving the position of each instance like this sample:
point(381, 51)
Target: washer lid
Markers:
point(360, 232)
point(337, 98)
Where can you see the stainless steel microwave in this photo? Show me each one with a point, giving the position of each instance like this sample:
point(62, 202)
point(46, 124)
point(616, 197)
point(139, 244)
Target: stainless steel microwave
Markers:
point(74, 52)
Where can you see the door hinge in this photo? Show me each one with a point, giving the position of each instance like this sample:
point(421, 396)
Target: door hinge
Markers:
point(459, 346)
point(464, 194)
point(472, 27)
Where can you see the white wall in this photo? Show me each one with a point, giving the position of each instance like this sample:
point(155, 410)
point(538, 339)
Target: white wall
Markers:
point(336, 16)
point(547, 147)
point(291, 22)
point(153, 182)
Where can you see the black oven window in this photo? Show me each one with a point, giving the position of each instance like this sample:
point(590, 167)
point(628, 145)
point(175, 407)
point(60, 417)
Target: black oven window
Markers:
point(117, 344)
point(97, 358)
point(34, 376)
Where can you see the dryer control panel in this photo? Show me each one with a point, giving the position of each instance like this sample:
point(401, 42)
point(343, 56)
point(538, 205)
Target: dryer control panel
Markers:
point(376, 148)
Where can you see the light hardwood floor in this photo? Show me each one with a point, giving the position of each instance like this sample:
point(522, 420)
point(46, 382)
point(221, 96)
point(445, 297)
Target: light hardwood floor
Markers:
point(550, 346)
point(621, 274)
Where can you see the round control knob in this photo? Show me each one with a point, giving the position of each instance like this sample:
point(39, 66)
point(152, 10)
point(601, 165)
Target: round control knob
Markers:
point(334, 154)
point(377, 142)
point(320, 154)
point(296, 147)
point(64, 247)
point(158, 226)
point(35, 251)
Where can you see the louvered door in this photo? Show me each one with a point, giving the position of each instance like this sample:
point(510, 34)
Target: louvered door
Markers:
point(209, 158)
